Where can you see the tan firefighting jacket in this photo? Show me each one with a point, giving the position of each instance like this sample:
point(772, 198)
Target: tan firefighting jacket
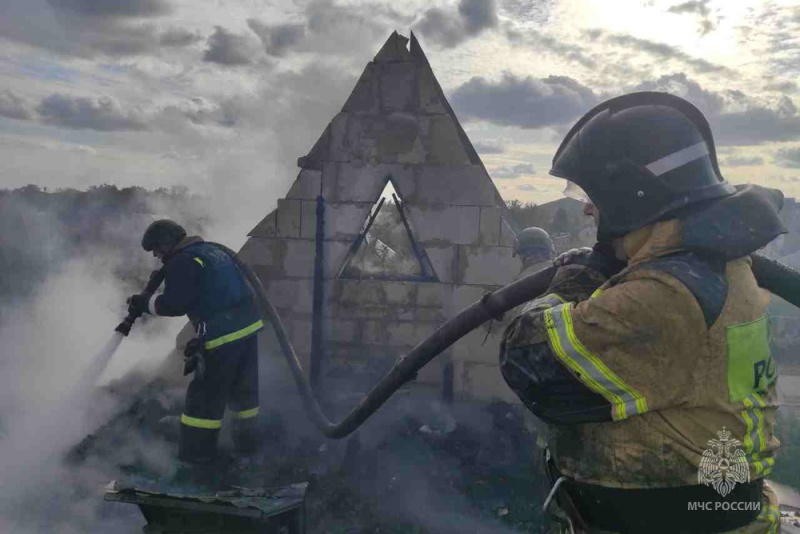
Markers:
point(673, 383)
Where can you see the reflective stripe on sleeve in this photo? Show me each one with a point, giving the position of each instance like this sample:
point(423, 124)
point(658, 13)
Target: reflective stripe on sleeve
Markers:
point(625, 401)
point(239, 334)
point(211, 424)
point(198, 260)
point(547, 301)
point(245, 414)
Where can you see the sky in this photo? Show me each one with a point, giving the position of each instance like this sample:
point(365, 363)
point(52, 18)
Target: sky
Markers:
point(223, 96)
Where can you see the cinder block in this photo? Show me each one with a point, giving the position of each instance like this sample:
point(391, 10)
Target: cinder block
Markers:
point(431, 294)
point(444, 144)
point(306, 185)
point(398, 138)
point(442, 259)
point(298, 261)
point(490, 226)
point(400, 293)
point(488, 265)
point(457, 225)
point(481, 381)
point(364, 97)
point(507, 235)
point(335, 254)
point(308, 223)
point(398, 87)
point(401, 334)
point(462, 185)
point(296, 295)
point(341, 331)
point(374, 333)
point(364, 292)
point(343, 221)
point(290, 213)
point(464, 296)
point(264, 251)
point(268, 227)
point(300, 334)
point(430, 98)
point(363, 182)
point(431, 314)
point(343, 138)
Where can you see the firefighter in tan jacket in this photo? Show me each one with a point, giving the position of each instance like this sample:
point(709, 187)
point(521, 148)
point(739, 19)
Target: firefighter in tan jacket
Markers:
point(649, 357)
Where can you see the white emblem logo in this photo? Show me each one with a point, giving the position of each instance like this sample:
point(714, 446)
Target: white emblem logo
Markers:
point(723, 465)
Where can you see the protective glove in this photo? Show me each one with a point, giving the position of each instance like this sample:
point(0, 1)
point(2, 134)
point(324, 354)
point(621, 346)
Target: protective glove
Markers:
point(193, 361)
point(600, 257)
point(138, 304)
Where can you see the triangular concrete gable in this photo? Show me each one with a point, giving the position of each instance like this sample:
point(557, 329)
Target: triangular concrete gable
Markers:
point(396, 124)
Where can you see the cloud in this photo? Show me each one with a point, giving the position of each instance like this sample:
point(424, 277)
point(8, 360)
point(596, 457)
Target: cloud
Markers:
point(228, 48)
point(489, 147)
point(524, 102)
point(699, 8)
point(734, 161)
point(13, 106)
point(568, 51)
point(278, 39)
point(782, 87)
point(102, 114)
point(679, 83)
point(656, 49)
point(788, 157)
point(449, 28)
point(178, 37)
point(508, 172)
point(112, 8)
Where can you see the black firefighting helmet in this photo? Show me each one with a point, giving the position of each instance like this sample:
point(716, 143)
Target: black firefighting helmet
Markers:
point(163, 232)
point(534, 242)
point(640, 157)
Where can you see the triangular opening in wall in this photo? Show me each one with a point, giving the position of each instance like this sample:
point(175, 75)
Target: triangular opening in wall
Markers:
point(386, 248)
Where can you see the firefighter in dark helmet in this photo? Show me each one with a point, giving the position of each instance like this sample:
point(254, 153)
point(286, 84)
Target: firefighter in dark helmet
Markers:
point(203, 282)
point(535, 248)
point(649, 357)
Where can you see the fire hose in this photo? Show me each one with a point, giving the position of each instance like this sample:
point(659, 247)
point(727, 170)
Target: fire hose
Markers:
point(772, 275)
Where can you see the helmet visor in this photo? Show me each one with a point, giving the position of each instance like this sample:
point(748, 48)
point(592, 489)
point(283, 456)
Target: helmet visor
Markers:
point(575, 191)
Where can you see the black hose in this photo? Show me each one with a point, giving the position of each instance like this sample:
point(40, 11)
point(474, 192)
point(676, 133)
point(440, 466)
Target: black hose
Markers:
point(491, 306)
point(770, 274)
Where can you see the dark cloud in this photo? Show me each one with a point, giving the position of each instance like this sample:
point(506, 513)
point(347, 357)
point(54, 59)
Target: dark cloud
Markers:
point(103, 114)
point(508, 172)
point(489, 147)
point(228, 48)
point(112, 8)
point(656, 49)
point(13, 106)
point(679, 83)
point(788, 157)
point(523, 102)
point(278, 39)
point(736, 118)
point(734, 161)
point(449, 28)
point(535, 39)
point(783, 87)
point(778, 26)
point(698, 8)
point(177, 38)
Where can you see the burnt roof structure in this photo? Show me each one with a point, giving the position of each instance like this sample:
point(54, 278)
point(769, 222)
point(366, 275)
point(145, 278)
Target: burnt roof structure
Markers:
point(396, 130)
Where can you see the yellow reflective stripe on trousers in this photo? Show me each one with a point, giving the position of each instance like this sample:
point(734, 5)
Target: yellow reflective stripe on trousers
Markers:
point(198, 260)
point(772, 515)
point(211, 424)
point(245, 414)
point(590, 369)
point(239, 334)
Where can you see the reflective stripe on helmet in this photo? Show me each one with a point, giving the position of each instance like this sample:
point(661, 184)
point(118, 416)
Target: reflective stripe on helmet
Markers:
point(678, 159)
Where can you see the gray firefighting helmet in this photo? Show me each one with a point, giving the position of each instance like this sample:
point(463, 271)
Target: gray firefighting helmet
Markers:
point(534, 242)
point(640, 157)
point(164, 232)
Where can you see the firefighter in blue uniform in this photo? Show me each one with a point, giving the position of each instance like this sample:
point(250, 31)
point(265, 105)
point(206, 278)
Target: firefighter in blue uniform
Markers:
point(203, 282)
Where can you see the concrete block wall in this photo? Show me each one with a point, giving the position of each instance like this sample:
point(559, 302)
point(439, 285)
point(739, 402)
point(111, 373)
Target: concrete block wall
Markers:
point(395, 125)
